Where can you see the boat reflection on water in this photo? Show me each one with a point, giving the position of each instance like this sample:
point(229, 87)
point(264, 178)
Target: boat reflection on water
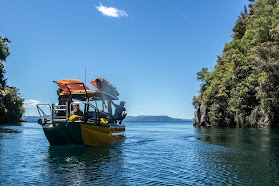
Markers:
point(84, 165)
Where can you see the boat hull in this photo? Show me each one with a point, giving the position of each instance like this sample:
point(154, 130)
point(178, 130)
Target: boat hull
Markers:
point(93, 135)
point(78, 133)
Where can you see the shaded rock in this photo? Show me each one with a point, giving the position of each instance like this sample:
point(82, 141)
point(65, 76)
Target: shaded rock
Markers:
point(201, 117)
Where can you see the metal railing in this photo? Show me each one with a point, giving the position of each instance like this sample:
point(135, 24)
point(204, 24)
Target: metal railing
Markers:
point(60, 113)
point(42, 114)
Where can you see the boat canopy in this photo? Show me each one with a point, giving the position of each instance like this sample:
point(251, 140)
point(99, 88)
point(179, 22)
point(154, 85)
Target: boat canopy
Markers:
point(78, 90)
point(103, 85)
point(71, 85)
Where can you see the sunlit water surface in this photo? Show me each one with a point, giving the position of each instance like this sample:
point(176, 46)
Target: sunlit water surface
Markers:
point(152, 154)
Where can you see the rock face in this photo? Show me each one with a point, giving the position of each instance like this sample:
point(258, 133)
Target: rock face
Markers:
point(201, 117)
point(262, 121)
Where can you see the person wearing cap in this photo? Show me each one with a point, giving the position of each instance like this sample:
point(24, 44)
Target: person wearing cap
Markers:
point(76, 110)
point(120, 111)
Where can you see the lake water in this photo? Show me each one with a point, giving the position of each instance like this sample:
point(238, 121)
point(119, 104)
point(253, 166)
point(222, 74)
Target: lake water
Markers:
point(153, 154)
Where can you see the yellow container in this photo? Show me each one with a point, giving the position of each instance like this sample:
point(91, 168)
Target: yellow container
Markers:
point(75, 118)
point(103, 121)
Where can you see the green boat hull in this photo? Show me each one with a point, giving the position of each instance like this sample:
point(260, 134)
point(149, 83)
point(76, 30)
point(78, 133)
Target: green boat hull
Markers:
point(60, 134)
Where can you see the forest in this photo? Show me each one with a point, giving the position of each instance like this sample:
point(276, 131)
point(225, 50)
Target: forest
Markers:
point(243, 87)
point(11, 104)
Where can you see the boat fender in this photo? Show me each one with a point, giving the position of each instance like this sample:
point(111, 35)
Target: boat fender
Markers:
point(75, 118)
point(103, 121)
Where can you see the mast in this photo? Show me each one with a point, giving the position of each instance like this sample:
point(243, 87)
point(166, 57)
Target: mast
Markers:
point(85, 76)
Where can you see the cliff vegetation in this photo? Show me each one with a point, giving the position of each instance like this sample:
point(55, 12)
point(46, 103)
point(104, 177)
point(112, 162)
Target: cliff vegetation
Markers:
point(11, 104)
point(243, 87)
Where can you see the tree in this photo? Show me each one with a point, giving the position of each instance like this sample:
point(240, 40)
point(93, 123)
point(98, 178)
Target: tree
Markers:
point(4, 53)
point(11, 104)
point(243, 88)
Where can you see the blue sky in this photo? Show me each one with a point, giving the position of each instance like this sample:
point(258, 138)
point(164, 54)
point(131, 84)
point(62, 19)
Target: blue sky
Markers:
point(150, 50)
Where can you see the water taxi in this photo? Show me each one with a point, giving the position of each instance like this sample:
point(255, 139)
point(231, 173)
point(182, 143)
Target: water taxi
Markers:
point(95, 127)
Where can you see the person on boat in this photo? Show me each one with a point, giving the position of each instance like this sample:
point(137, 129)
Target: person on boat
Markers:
point(120, 111)
point(76, 110)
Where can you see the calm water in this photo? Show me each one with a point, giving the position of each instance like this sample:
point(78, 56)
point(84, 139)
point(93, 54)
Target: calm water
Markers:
point(153, 154)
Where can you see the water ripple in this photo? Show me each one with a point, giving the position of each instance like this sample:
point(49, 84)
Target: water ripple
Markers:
point(153, 154)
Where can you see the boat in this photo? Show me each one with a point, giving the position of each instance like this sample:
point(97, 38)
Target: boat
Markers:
point(95, 128)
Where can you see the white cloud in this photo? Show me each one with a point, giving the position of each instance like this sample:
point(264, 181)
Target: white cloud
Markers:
point(110, 11)
point(30, 103)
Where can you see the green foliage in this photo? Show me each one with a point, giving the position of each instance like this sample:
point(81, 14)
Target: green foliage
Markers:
point(11, 108)
point(11, 104)
point(243, 88)
point(202, 75)
point(4, 53)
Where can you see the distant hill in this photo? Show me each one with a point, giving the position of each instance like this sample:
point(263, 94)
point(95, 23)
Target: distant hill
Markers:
point(32, 118)
point(127, 119)
point(153, 119)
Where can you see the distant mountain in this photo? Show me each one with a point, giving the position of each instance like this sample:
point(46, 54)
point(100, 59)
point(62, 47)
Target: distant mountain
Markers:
point(127, 119)
point(153, 119)
point(32, 118)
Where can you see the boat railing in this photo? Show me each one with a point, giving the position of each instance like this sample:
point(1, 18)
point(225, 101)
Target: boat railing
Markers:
point(43, 115)
point(60, 113)
point(83, 85)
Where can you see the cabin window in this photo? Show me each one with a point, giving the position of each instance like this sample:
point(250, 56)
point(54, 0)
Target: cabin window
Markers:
point(81, 107)
point(99, 105)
